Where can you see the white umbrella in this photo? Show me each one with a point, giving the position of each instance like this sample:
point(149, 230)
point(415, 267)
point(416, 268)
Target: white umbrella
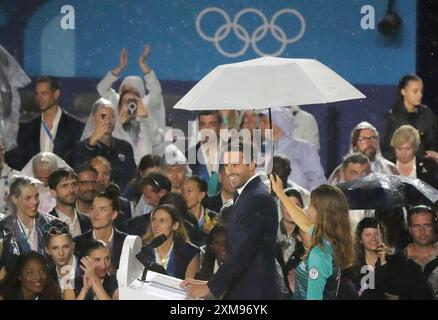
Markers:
point(268, 82)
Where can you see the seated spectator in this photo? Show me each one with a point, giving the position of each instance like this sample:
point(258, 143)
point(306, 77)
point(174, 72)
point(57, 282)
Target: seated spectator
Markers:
point(86, 191)
point(174, 165)
point(24, 229)
point(194, 192)
point(406, 142)
point(97, 281)
point(101, 137)
point(66, 270)
point(149, 163)
point(215, 253)
point(365, 139)
point(179, 257)
point(63, 185)
point(103, 168)
point(145, 126)
point(231, 119)
point(29, 279)
point(104, 212)
point(41, 167)
point(153, 187)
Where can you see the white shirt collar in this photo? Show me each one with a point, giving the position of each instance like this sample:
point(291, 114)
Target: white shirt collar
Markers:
point(249, 180)
point(110, 238)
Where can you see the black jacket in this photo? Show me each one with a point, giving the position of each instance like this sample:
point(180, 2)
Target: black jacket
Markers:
point(424, 120)
point(84, 221)
point(28, 140)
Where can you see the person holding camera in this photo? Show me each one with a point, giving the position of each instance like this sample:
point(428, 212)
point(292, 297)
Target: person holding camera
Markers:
point(141, 115)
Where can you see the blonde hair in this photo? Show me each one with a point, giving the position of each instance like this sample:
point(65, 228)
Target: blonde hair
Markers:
point(406, 134)
point(333, 224)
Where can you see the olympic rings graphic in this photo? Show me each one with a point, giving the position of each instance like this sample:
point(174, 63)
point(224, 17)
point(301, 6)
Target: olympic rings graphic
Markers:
point(243, 35)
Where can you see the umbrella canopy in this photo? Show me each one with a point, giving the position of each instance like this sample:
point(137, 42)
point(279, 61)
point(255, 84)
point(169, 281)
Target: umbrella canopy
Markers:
point(379, 191)
point(268, 82)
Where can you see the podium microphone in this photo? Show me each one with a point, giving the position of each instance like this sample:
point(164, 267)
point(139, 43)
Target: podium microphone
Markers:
point(142, 256)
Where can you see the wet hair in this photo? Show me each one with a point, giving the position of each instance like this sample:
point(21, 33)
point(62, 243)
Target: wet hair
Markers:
point(180, 235)
point(53, 82)
point(291, 192)
point(146, 162)
point(355, 158)
point(281, 166)
point(157, 181)
point(421, 209)
point(10, 286)
point(405, 80)
point(216, 113)
point(366, 223)
point(333, 224)
point(209, 257)
point(112, 196)
point(102, 160)
point(93, 244)
point(58, 175)
point(86, 167)
point(19, 184)
point(406, 133)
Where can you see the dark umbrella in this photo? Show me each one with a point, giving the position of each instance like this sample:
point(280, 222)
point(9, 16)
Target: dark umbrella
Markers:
point(379, 191)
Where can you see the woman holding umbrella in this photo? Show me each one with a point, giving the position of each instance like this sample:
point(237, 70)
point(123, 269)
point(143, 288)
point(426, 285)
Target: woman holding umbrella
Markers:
point(332, 248)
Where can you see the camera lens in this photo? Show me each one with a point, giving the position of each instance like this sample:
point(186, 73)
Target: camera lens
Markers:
point(132, 106)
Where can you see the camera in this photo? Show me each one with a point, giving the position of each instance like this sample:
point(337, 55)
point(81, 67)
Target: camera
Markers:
point(132, 106)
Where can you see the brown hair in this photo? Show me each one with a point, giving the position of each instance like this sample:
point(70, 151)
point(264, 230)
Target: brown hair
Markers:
point(333, 224)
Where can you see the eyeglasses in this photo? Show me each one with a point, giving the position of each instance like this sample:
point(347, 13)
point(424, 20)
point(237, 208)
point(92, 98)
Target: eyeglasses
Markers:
point(88, 183)
point(366, 139)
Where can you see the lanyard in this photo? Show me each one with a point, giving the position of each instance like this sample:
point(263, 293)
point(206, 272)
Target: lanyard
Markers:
point(47, 131)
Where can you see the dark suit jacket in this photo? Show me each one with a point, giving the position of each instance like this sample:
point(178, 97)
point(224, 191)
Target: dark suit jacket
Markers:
point(28, 140)
point(116, 250)
point(249, 272)
point(427, 170)
point(214, 203)
point(120, 155)
point(84, 221)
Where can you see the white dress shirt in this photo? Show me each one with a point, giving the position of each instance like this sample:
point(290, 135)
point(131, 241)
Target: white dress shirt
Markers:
point(46, 144)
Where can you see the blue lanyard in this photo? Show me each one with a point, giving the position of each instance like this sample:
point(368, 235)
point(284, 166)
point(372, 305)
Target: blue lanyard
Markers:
point(47, 130)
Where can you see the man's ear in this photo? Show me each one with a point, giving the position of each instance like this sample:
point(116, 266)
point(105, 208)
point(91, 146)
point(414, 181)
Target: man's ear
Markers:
point(114, 215)
point(57, 94)
point(14, 200)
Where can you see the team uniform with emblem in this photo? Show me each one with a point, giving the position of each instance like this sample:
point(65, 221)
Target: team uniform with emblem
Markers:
point(313, 272)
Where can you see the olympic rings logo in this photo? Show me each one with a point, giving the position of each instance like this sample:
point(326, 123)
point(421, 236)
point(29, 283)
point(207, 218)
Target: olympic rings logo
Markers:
point(242, 34)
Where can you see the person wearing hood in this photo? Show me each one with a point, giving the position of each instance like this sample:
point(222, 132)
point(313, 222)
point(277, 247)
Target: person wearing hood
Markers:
point(141, 115)
point(365, 139)
point(306, 126)
point(175, 166)
point(307, 170)
point(103, 136)
point(408, 110)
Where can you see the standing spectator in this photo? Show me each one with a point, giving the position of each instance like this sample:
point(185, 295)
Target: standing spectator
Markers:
point(98, 140)
point(145, 127)
point(332, 249)
point(86, 191)
point(29, 279)
point(408, 110)
point(174, 165)
point(55, 131)
point(306, 126)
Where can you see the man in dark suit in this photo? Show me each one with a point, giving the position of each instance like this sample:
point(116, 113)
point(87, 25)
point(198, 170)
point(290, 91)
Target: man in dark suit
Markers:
point(55, 131)
point(63, 185)
point(226, 194)
point(249, 271)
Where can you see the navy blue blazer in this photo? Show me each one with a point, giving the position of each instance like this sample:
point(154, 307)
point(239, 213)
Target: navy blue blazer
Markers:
point(84, 221)
point(119, 154)
point(28, 140)
point(81, 243)
point(249, 271)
